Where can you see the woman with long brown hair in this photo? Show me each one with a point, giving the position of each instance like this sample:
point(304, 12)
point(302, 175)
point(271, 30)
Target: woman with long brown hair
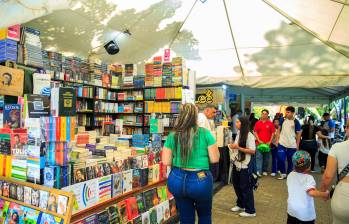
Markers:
point(189, 149)
point(241, 152)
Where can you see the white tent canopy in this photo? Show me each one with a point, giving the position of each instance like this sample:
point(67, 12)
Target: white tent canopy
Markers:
point(274, 52)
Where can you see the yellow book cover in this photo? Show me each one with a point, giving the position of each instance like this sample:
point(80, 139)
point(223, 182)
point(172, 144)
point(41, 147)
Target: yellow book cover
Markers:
point(72, 128)
point(3, 34)
point(2, 165)
point(8, 166)
point(63, 128)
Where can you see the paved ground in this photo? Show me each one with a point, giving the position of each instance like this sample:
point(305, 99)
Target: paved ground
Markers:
point(270, 202)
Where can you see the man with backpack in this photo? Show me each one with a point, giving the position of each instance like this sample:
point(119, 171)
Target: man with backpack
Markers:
point(290, 135)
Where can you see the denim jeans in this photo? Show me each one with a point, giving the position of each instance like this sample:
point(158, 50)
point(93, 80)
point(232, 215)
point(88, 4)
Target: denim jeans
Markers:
point(192, 191)
point(283, 154)
point(243, 189)
point(262, 160)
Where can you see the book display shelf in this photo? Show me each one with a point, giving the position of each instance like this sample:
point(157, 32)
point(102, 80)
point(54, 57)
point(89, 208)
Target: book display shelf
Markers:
point(63, 157)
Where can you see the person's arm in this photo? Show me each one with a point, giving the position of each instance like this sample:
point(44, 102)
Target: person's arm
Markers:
point(256, 135)
point(298, 133)
point(166, 156)
point(213, 153)
point(330, 172)
point(247, 150)
point(250, 145)
point(321, 136)
point(318, 194)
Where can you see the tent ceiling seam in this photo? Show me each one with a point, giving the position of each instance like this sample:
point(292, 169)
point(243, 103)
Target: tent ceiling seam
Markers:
point(335, 23)
point(296, 22)
point(232, 36)
point(340, 2)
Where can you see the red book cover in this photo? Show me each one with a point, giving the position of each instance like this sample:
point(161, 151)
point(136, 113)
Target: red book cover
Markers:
point(131, 208)
point(123, 212)
point(58, 128)
point(163, 171)
point(19, 138)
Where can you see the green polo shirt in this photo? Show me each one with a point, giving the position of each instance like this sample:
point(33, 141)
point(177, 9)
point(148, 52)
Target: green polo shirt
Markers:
point(199, 158)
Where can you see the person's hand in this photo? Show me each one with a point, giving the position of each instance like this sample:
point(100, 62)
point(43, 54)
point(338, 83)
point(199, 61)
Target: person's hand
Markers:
point(233, 145)
point(326, 195)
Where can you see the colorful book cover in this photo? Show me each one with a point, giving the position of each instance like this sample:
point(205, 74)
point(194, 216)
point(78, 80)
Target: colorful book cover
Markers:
point(6, 189)
point(159, 213)
point(162, 193)
point(122, 211)
point(148, 199)
point(30, 216)
point(4, 206)
point(62, 204)
point(52, 203)
point(13, 191)
point(103, 217)
point(173, 208)
point(127, 181)
point(49, 175)
point(105, 188)
point(144, 177)
point(140, 203)
point(145, 218)
point(45, 218)
point(92, 219)
point(114, 217)
point(166, 209)
point(106, 169)
point(20, 193)
point(153, 217)
point(131, 208)
point(35, 197)
point(42, 84)
point(90, 173)
point(37, 106)
point(43, 199)
point(137, 220)
point(5, 143)
point(80, 175)
point(136, 178)
point(12, 116)
point(1, 184)
point(14, 214)
point(156, 173)
point(19, 169)
point(117, 184)
point(27, 195)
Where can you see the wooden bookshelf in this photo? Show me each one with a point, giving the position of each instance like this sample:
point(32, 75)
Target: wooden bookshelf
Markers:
point(103, 205)
point(57, 192)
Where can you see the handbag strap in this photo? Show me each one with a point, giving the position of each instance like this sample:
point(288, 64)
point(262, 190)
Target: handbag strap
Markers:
point(343, 173)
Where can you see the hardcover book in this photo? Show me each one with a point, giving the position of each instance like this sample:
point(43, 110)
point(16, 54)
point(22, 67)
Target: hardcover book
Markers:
point(131, 208)
point(122, 211)
point(12, 116)
point(63, 101)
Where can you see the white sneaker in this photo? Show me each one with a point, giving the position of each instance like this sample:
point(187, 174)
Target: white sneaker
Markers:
point(245, 214)
point(282, 176)
point(265, 174)
point(259, 175)
point(237, 209)
point(273, 174)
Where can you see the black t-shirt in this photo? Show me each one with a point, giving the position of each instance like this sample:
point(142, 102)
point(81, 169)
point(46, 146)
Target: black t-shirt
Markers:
point(306, 132)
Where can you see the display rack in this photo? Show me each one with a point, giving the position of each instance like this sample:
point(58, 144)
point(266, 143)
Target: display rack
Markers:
point(66, 217)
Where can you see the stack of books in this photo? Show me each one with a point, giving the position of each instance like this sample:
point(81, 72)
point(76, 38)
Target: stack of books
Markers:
point(178, 67)
point(30, 39)
point(8, 50)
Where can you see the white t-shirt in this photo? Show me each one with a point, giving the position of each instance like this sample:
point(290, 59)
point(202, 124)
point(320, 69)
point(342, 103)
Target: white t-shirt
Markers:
point(322, 148)
point(288, 134)
point(299, 204)
point(340, 151)
point(234, 129)
point(204, 122)
point(250, 144)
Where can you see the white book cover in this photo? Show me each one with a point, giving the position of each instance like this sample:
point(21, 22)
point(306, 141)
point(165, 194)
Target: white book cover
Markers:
point(41, 83)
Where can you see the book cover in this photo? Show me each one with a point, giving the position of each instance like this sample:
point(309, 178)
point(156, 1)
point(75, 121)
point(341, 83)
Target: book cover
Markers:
point(12, 116)
point(93, 219)
point(114, 217)
point(156, 173)
point(13, 191)
point(6, 189)
point(106, 169)
point(162, 193)
point(30, 216)
point(105, 188)
point(45, 218)
point(43, 199)
point(159, 213)
point(131, 208)
point(144, 177)
point(173, 208)
point(137, 220)
point(145, 218)
point(14, 214)
point(37, 105)
point(80, 175)
point(153, 217)
point(117, 184)
point(63, 101)
point(4, 206)
point(140, 203)
point(35, 197)
point(150, 174)
point(1, 184)
point(5, 143)
point(148, 199)
point(49, 175)
point(62, 204)
point(166, 209)
point(99, 170)
point(136, 178)
point(127, 181)
point(42, 84)
point(27, 195)
point(122, 211)
point(90, 173)
point(52, 202)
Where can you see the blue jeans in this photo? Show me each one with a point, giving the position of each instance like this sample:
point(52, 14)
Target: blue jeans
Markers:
point(283, 154)
point(262, 160)
point(192, 191)
point(275, 163)
point(243, 189)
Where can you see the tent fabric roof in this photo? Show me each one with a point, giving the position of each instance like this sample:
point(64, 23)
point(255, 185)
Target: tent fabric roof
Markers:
point(274, 52)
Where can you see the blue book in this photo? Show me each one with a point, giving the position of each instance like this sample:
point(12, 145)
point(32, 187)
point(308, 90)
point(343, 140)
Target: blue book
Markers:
point(68, 129)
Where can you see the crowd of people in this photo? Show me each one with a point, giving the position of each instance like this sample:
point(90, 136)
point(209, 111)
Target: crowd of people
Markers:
point(292, 147)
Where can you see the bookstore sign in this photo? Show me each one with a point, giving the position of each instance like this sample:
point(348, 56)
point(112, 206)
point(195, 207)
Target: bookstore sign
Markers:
point(205, 97)
point(214, 96)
